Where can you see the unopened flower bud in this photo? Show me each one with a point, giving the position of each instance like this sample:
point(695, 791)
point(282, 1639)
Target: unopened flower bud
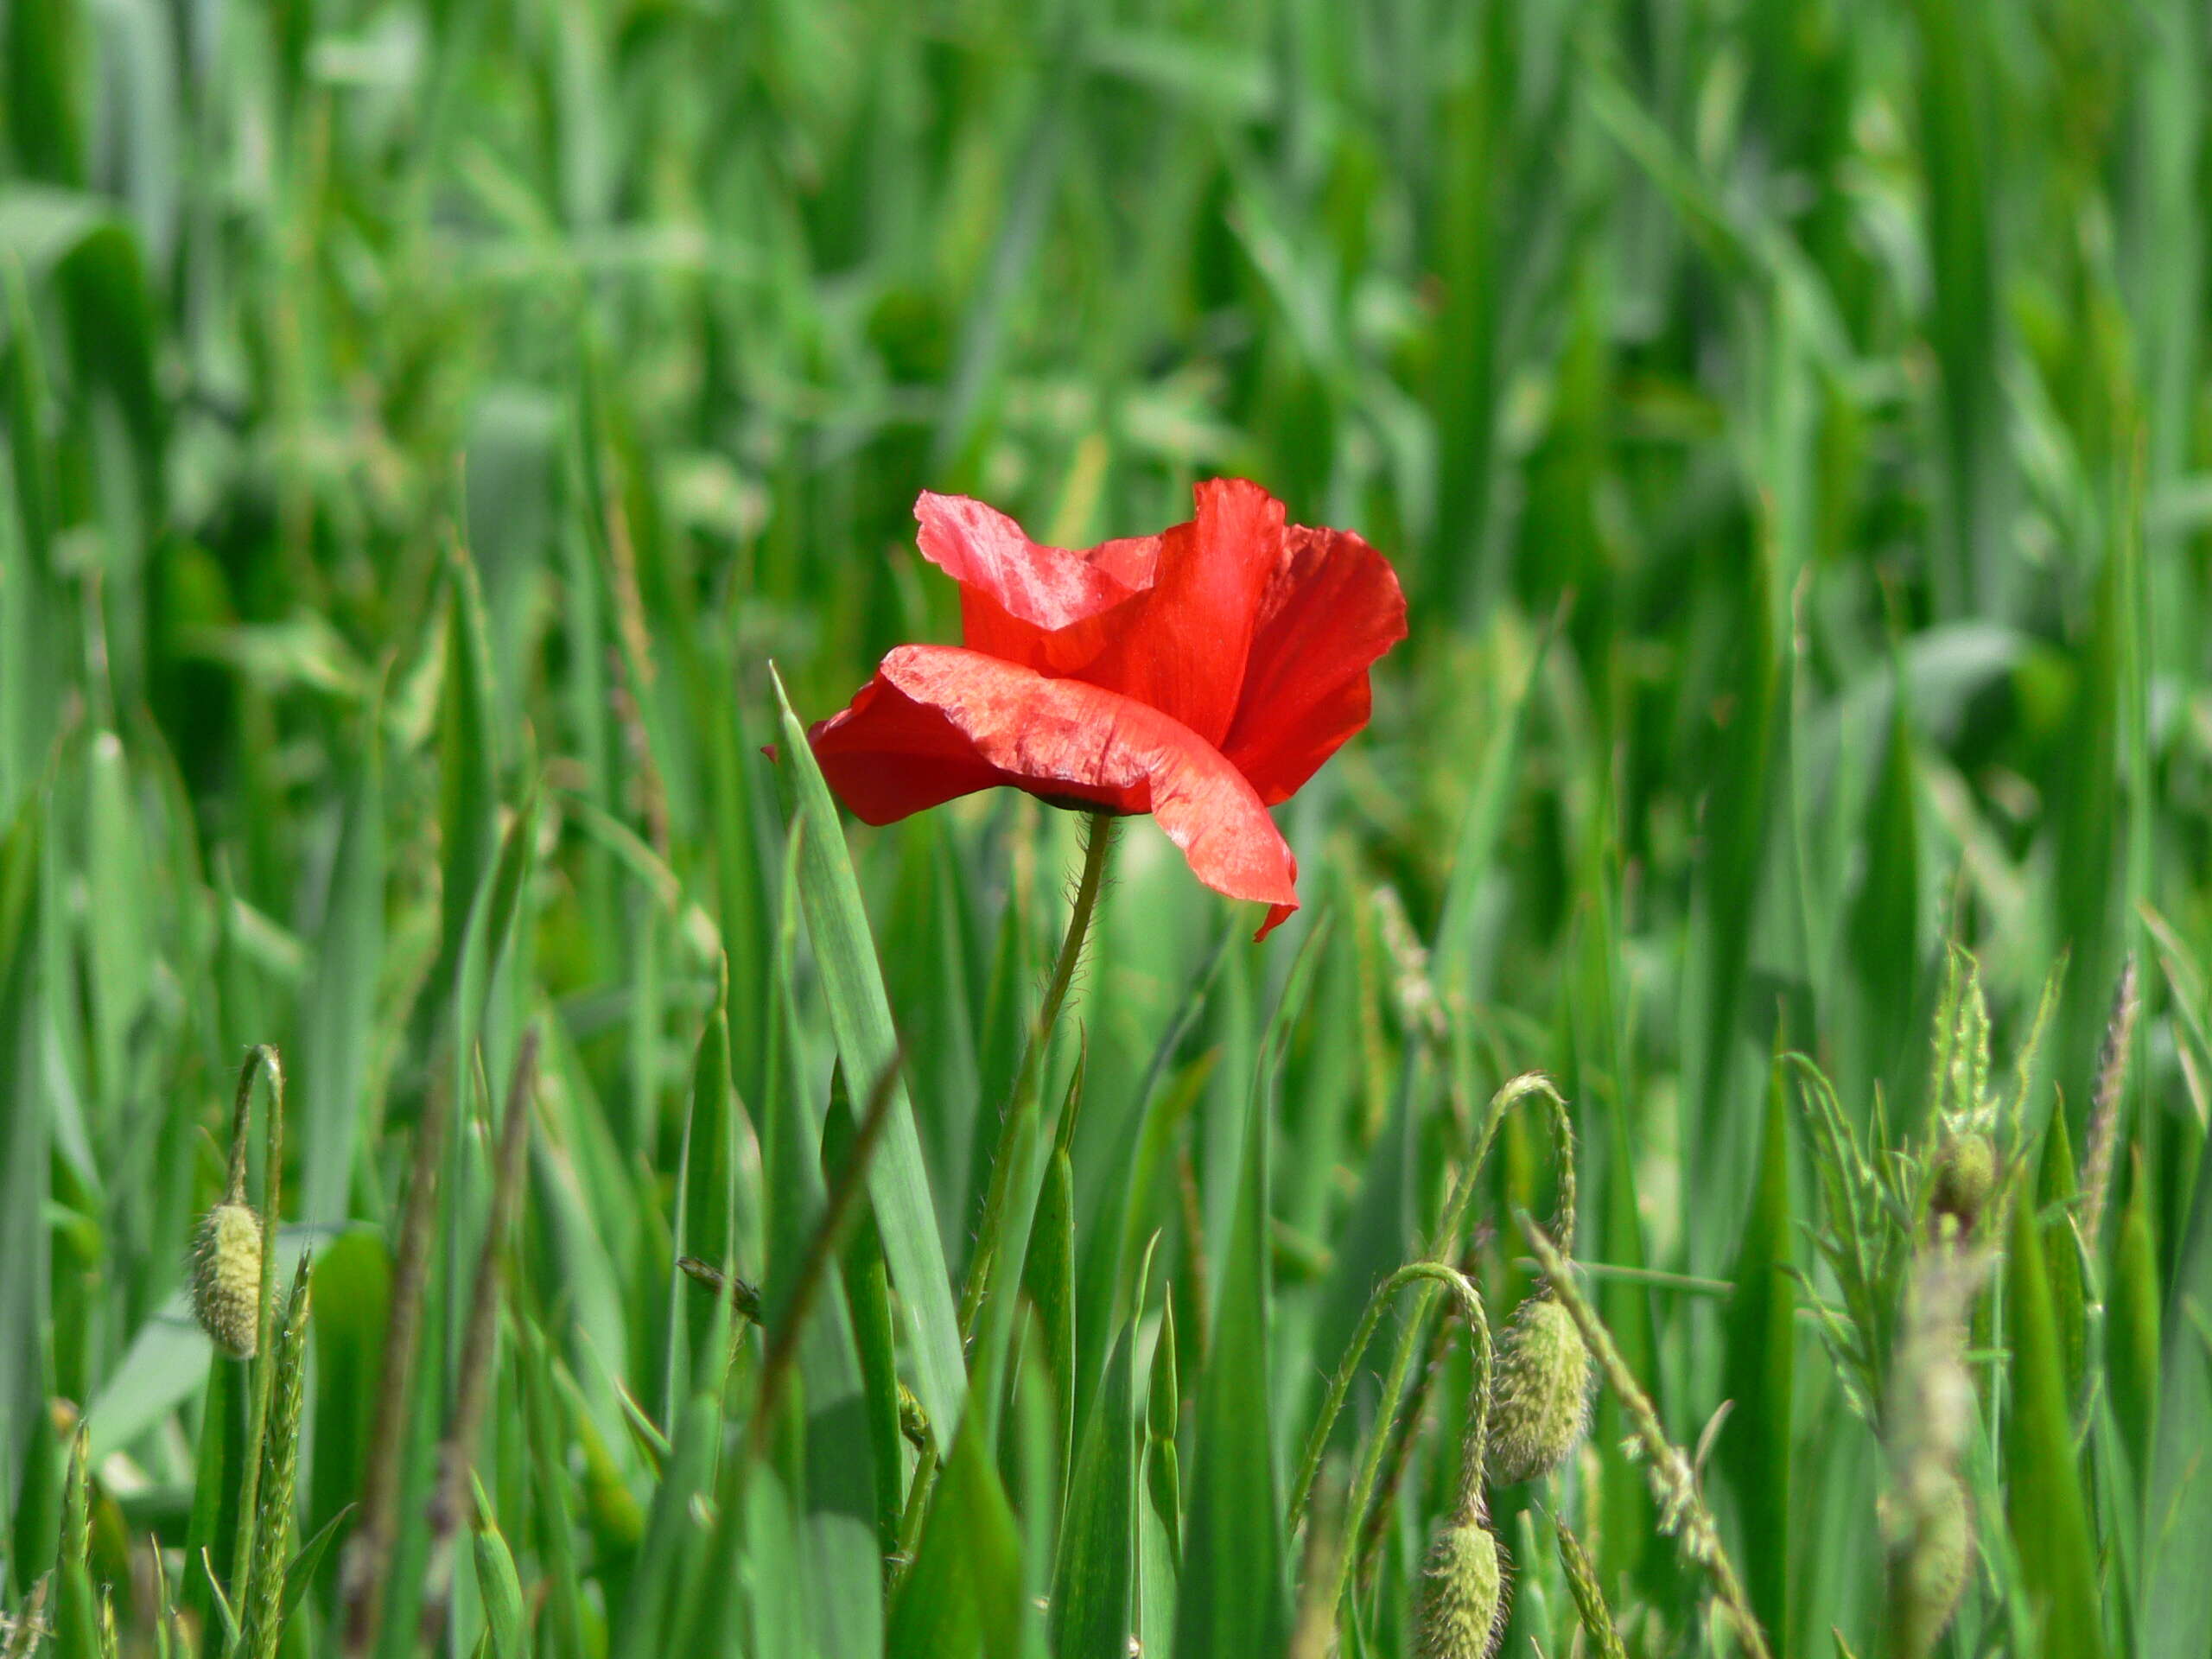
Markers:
point(1459, 1607)
point(1965, 1175)
point(226, 1278)
point(1540, 1393)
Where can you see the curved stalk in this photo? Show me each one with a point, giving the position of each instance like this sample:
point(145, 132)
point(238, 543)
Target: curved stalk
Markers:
point(1446, 1244)
point(1309, 1465)
point(1468, 1504)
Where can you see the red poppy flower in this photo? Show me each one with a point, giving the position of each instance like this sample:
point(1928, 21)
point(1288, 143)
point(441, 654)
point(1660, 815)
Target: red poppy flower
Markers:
point(1201, 675)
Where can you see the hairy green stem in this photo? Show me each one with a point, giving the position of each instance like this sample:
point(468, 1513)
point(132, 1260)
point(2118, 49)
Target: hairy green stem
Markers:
point(1098, 841)
point(1467, 1503)
point(1445, 1245)
point(260, 1057)
point(1309, 1465)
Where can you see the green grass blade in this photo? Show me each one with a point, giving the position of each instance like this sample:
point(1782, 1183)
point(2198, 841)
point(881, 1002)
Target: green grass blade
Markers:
point(2044, 1507)
point(963, 1597)
point(25, 1165)
point(1094, 1579)
point(338, 1008)
point(1234, 1594)
point(860, 1013)
point(1762, 1327)
point(2175, 1607)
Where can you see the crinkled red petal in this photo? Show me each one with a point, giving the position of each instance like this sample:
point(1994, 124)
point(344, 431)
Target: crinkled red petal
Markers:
point(938, 721)
point(1047, 608)
point(1333, 608)
point(1183, 647)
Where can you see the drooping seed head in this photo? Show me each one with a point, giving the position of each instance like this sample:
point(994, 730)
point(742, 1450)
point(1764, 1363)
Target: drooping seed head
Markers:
point(226, 1278)
point(1460, 1605)
point(1964, 1177)
point(1540, 1393)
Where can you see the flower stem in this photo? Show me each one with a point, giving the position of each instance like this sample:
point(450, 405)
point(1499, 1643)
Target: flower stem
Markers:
point(1467, 1495)
point(1446, 1245)
point(261, 1059)
point(1340, 1384)
point(1098, 841)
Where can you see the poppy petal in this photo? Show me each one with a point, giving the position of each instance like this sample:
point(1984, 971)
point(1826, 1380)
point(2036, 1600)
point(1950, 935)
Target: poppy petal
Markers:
point(1021, 600)
point(1183, 650)
point(1333, 607)
point(939, 721)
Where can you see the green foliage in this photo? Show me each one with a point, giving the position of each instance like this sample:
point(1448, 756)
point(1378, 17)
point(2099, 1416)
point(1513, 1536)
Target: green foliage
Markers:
point(424, 424)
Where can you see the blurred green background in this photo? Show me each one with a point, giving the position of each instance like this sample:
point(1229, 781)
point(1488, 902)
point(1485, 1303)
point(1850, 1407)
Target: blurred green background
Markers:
point(1788, 418)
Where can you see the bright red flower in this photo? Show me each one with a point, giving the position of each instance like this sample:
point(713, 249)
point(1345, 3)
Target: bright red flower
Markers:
point(1201, 675)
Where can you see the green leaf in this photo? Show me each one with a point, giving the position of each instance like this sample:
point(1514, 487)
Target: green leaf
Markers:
point(468, 771)
point(1480, 827)
point(2055, 1191)
point(500, 1586)
point(706, 1218)
point(860, 1014)
point(2176, 1605)
point(648, 1620)
point(1048, 1279)
point(868, 1299)
point(1762, 1327)
point(24, 1140)
point(838, 1565)
point(338, 1009)
point(1234, 1595)
point(963, 1597)
point(1094, 1578)
point(47, 83)
point(306, 1560)
point(120, 955)
point(2132, 1356)
point(210, 1538)
point(2044, 1507)
point(352, 1290)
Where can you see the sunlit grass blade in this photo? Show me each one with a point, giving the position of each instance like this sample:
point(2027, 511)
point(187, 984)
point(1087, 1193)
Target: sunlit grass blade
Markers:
point(2045, 1505)
point(860, 1016)
point(2175, 1606)
point(1233, 1595)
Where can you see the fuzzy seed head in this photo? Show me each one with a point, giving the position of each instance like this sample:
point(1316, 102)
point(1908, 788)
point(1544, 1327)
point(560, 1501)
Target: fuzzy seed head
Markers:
point(226, 1278)
point(1460, 1605)
point(1965, 1175)
point(1540, 1393)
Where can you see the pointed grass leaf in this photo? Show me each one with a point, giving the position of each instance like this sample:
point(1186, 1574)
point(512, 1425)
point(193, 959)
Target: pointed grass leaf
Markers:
point(2044, 1506)
point(2176, 1608)
point(1762, 1328)
point(1234, 1594)
point(961, 1599)
point(1094, 1581)
point(339, 1006)
point(860, 1014)
point(499, 1587)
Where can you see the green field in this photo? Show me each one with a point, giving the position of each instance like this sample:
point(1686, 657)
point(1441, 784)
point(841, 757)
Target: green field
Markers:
point(438, 433)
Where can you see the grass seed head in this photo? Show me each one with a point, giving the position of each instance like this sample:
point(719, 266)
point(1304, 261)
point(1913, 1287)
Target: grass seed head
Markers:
point(1540, 1396)
point(1459, 1607)
point(226, 1278)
